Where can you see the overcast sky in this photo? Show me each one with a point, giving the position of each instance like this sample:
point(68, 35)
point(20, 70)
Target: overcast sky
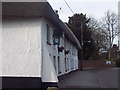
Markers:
point(94, 8)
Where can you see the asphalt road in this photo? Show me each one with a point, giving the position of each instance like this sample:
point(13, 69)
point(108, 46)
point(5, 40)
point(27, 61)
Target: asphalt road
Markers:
point(94, 78)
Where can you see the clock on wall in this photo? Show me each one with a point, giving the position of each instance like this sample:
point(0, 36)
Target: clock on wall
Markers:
point(56, 41)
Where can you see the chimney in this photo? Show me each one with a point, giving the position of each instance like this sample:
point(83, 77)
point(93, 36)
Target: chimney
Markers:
point(56, 11)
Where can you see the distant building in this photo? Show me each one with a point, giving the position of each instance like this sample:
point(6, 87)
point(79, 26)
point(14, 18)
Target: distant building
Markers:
point(37, 47)
point(119, 23)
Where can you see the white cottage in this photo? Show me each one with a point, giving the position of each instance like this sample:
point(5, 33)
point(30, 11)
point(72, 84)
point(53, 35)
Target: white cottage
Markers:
point(37, 47)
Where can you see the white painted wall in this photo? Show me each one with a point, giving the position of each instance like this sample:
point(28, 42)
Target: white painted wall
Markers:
point(48, 73)
point(25, 49)
point(21, 47)
point(48, 70)
point(71, 58)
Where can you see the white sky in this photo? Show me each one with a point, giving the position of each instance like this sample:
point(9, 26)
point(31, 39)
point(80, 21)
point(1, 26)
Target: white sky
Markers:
point(94, 8)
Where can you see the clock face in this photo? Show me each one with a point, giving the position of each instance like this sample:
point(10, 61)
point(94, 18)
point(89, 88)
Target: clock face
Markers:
point(56, 40)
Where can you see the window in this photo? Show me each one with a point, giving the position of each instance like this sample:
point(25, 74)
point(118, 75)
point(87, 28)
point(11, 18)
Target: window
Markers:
point(75, 64)
point(71, 64)
point(59, 65)
point(54, 62)
point(65, 65)
point(48, 34)
point(68, 64)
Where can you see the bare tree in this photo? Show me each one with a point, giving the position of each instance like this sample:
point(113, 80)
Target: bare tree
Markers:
point(98, 34)
point(109, 24)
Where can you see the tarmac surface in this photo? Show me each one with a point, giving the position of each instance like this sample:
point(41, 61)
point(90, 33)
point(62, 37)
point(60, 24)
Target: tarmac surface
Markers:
point(92, 78)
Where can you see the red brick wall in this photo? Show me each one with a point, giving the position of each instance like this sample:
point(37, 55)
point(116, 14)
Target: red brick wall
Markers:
point(96, 64)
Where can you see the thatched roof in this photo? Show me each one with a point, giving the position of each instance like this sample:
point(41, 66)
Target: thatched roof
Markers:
point(42, 9)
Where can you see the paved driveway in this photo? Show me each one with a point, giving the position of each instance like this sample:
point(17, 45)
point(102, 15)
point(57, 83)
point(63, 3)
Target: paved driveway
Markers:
point(97, 78)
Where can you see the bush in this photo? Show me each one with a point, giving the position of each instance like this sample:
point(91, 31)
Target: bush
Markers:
point(93, 58)
point(115, 59)
point(117, 63)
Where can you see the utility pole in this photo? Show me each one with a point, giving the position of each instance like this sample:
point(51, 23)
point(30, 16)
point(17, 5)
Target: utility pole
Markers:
point(81, 63)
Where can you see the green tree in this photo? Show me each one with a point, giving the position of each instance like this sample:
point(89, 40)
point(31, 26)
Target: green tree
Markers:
point(89, 48)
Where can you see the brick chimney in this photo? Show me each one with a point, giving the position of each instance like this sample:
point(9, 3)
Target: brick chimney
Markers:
point(56, 11)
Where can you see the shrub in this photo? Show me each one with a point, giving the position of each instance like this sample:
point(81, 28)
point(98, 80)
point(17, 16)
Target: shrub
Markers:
point(115, 59)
